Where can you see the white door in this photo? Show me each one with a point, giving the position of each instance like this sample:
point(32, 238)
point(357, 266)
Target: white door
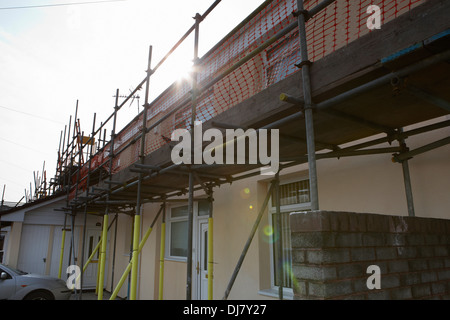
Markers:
point(202, 260)
point(33, 248)
point(93, 236)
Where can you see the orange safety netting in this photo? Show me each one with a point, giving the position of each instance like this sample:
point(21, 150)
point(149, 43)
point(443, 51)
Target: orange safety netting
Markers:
point(334, 27)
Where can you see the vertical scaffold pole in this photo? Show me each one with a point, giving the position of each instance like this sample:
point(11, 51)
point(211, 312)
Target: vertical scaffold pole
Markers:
point(104, 237)
point(87, 195)
point(407, 179)
point(66, 182)
point(198, 19)
point(61, 181)
point(306, 82)
point(279, 239)
point(210, 246)
point(113, 266)
point(63, 243)
point(137, 216)
point(58, 162)
point(162, 250)
point(190, 235)
point(72, 245)
point(74, 207)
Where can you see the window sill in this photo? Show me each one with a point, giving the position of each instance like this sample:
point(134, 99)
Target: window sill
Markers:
point(273, 293)
point(176, 259)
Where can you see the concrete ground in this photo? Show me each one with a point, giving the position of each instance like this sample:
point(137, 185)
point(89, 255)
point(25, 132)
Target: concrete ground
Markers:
point(91, 295)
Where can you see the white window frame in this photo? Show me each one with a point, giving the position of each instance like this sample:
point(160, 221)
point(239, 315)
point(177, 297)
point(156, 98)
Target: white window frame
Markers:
point(288, 293)
point(170, 220)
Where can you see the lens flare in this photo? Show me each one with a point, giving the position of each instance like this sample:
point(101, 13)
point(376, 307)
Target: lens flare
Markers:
point(287, 266)
point(268, 231)
point(245, 193)
point(269, 235)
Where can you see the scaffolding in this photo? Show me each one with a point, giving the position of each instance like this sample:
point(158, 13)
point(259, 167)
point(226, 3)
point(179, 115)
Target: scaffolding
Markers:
point(119, 176)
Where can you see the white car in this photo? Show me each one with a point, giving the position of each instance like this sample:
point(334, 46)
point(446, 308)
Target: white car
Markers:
point(18, 285)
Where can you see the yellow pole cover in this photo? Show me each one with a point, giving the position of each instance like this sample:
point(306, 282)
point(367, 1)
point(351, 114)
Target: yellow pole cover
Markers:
point(128, 269)
point(61, 255)
point(101, 280)
point(161, 260)
point(135, 257)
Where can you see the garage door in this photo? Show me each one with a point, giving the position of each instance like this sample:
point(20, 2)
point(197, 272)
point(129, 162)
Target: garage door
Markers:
point(33, 248)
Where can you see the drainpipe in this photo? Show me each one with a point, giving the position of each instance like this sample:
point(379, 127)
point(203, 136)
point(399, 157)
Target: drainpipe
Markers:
point(306, 82)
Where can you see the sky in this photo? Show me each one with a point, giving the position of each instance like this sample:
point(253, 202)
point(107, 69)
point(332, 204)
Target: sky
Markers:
point(54, 53)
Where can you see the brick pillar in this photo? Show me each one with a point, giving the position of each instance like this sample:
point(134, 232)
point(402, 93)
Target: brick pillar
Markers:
point(331, 252)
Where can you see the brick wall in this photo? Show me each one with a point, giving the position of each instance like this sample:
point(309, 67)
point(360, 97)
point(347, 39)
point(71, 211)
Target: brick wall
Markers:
point(331, 252)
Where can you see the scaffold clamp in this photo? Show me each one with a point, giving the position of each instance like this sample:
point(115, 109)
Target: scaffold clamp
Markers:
point(303, 63)
point(299, 12)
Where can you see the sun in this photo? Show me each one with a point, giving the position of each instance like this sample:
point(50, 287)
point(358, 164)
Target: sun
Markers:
point(177, 69)
point(182, 62)
point(185, 71)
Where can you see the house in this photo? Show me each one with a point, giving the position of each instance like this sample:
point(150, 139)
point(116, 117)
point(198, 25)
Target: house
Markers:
point(381, 154)
point(33, 235)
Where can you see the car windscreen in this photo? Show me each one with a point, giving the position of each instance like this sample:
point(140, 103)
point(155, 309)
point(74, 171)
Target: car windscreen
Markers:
point(19, 272)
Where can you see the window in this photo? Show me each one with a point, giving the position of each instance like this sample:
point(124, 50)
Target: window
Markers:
point(294, 197)
point(203, 208)
point(293, 194)
point(91, 247)
point(177, 228)
point(178, 232)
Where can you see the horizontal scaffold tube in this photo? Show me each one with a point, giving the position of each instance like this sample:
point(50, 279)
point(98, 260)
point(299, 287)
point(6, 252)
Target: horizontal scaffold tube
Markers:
point(434, 145)
point(418, 66)
point(365, 87)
